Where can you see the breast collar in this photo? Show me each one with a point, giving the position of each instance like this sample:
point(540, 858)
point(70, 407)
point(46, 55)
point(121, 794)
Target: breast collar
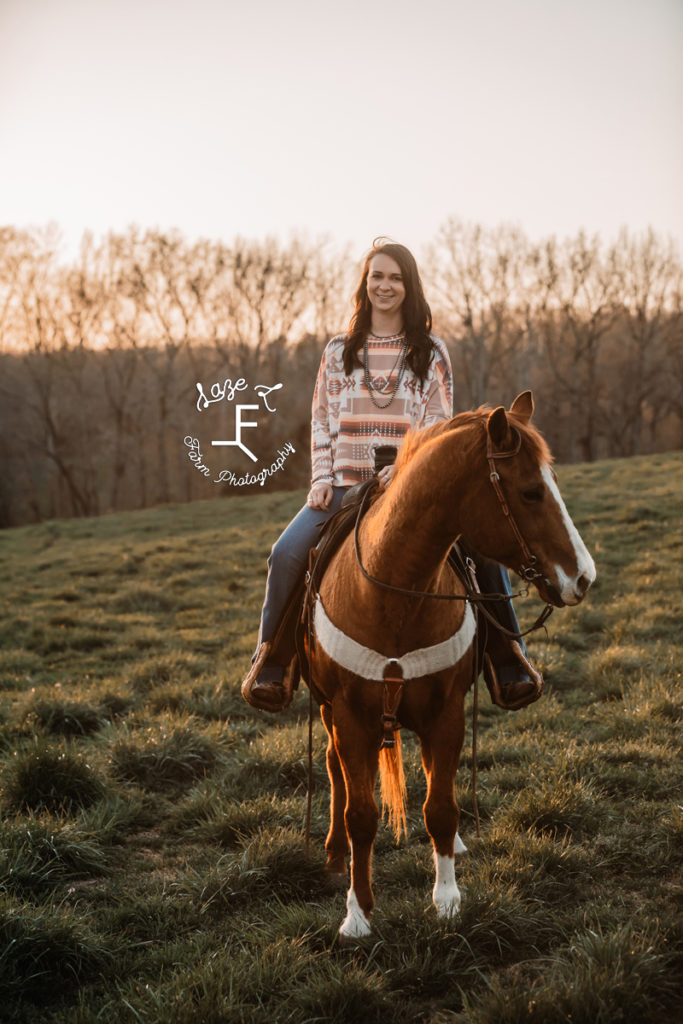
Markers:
point(370, 664)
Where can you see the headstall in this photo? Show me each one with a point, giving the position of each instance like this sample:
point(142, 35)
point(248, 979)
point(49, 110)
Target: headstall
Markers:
point(527, 570)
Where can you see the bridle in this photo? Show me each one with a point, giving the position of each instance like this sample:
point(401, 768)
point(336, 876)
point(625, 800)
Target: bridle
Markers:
point(527, 569)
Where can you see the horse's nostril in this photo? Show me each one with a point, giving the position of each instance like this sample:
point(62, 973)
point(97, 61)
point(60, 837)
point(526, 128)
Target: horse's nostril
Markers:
point(583, 583)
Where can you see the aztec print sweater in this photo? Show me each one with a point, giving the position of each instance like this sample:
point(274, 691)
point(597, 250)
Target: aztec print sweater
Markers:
point(346, 426)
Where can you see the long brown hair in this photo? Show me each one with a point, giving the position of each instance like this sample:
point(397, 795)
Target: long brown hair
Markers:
point(417, 316)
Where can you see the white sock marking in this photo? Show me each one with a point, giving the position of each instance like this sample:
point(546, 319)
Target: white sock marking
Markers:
point(355, 924)
point(446, 894)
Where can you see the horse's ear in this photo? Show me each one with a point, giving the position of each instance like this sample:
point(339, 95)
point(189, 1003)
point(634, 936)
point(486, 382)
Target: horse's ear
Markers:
point(523, 406)
point(497, 426)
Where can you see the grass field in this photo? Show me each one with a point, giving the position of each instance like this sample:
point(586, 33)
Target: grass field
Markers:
point(152, 855)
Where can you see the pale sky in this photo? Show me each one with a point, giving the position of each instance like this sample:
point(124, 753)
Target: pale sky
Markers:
point(344, 118)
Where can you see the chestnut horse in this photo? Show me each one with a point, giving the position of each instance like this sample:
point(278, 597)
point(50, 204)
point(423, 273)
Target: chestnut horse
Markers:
point(441, 489)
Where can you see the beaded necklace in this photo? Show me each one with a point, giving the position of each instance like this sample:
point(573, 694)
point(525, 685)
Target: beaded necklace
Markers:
point(372, 388)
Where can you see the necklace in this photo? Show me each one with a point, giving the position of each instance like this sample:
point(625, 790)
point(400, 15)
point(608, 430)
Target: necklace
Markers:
point(372, 389)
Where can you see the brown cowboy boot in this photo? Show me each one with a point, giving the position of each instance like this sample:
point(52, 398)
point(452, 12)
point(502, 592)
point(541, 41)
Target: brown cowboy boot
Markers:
point(512, 680)
point(274, 690)
point(512, 685)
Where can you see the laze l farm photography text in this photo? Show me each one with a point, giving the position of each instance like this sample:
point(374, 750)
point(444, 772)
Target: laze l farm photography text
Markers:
point(226, 391)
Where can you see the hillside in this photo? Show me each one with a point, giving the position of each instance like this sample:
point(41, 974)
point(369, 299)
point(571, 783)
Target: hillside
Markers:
point(153, 861)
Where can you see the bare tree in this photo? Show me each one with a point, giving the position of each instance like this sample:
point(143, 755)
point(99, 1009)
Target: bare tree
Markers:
point(53, 383)
point(648, 278)
point(99, 359)
point(477, 276)
point(270, 291)
point(155, 277)
point(579, 313)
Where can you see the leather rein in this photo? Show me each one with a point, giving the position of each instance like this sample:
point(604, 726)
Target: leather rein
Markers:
point(526, 571)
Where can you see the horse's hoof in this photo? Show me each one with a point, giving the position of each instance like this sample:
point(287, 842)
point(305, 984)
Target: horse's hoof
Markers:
point(347, 941)
point(446, 911)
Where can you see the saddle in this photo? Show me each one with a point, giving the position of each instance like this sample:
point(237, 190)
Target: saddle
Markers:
point(288, 644)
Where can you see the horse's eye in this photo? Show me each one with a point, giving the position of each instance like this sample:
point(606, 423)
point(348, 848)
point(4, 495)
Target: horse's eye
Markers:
point(534, 494)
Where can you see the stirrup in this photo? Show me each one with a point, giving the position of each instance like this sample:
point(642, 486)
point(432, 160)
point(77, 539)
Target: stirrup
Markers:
point(502, 695)
point(269, 696)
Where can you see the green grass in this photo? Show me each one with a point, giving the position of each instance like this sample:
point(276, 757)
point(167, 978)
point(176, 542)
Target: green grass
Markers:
point(152, 854)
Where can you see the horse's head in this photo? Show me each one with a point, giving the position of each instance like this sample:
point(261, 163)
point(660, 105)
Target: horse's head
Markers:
point(534, 534)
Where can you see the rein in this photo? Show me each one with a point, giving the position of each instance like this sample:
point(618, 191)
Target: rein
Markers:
point(471, 595)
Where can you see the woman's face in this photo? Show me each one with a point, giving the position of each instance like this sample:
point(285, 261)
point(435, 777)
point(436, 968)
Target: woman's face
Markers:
point(386, 290)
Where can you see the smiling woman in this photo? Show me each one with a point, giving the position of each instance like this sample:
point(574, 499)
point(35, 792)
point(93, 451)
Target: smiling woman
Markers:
point(386, 376)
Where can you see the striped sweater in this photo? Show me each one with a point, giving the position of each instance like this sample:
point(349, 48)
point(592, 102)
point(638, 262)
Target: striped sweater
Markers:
point(346, 426)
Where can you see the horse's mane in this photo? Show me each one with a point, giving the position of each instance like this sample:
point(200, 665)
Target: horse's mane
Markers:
point(414, 440)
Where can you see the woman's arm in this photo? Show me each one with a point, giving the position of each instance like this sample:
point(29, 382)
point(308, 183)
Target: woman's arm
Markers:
point(321, 444)
point(439, 389)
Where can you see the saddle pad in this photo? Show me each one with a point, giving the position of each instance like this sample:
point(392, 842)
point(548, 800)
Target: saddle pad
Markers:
point(333, 533)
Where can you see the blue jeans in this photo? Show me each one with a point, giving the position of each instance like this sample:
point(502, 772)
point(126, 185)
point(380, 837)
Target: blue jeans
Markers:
point(288, 559)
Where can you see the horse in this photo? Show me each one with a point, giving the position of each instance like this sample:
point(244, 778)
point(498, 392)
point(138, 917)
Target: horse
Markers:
point(383, 650)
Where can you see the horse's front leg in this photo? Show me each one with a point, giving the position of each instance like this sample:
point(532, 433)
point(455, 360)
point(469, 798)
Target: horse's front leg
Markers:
point(337, 843)
point(440, 756)
point(358, 750)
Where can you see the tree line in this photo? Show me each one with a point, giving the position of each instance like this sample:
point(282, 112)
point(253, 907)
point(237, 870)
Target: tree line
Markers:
point(104, 360)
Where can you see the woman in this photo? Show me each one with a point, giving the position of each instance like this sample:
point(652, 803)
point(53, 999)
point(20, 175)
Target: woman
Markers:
point(386, 375)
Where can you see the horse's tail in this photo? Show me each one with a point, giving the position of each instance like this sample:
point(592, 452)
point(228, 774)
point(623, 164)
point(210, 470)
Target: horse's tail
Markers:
point(393, 787)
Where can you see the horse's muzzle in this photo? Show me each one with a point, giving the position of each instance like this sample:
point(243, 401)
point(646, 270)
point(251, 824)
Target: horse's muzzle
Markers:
point(550, 593)
point(571, 593)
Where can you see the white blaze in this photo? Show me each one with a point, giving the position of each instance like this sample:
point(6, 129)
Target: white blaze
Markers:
point(585, 564)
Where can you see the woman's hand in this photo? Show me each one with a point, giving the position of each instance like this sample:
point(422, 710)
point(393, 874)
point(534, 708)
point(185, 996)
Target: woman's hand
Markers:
point(385, 475)
point(320, 496)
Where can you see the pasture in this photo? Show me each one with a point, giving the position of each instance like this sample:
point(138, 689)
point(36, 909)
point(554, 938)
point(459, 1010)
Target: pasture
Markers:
point(152, 855)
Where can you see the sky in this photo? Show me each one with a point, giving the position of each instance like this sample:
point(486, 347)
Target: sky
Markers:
point(345, 119)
